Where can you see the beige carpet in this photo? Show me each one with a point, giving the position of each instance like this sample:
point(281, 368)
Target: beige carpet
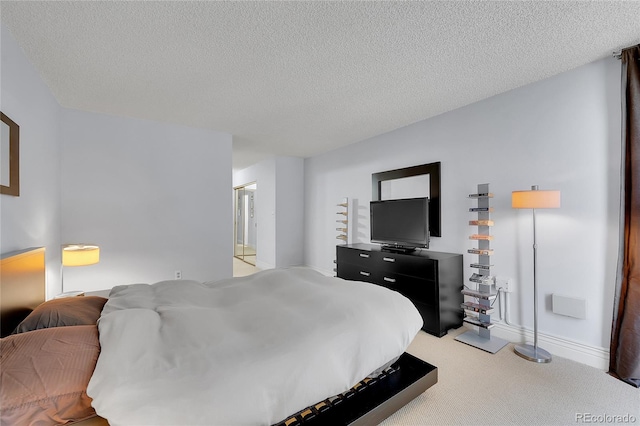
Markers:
point(477, 388)
point(242, 269)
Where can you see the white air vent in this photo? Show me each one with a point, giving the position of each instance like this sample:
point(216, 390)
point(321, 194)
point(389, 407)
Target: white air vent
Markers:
point(569, 306)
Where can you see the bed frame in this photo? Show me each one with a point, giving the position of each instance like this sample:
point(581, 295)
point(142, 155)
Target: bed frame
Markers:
point(22, 288)
point(371, 401)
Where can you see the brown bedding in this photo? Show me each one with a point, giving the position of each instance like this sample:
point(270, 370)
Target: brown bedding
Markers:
point(67, 311)
point(44, 375)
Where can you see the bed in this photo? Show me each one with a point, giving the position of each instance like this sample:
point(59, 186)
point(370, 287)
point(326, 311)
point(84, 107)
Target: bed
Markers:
point(274, 348)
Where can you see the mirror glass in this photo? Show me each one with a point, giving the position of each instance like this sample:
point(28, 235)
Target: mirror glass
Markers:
point(408, 187)
point(245, 227)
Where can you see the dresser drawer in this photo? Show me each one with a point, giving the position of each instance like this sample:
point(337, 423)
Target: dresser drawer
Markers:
point(425, 291)
point(353, 272)
point(414, 266)
point(356, 257)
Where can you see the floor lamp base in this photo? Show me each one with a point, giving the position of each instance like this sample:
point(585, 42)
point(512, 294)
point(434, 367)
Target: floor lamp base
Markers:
point(532, 353)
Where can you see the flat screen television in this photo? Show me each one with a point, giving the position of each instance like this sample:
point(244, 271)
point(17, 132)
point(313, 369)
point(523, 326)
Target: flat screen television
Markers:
point(401, 225)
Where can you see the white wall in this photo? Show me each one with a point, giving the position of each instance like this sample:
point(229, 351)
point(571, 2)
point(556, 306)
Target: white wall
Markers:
point(33, 218)
point(289, 211)
point(279, 209)
point(153, 196)
point(561, 133)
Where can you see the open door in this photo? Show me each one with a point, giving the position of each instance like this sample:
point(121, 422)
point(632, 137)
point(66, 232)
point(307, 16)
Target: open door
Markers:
point(245, 225)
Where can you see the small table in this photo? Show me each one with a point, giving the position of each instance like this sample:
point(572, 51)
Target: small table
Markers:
point(69, 294)
point(101, 293)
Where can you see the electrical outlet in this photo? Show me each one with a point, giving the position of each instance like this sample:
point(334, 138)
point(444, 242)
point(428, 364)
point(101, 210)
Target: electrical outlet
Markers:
point(504, 283)
point(178, 275)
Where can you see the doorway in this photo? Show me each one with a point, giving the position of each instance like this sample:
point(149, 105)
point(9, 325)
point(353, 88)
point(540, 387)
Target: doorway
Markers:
point(245, 224)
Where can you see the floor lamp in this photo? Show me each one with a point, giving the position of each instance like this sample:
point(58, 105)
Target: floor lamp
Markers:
point(77, 255)
point(534, 199)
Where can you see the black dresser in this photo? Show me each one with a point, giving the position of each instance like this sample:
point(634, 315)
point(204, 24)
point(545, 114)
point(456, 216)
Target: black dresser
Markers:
point(431, 280)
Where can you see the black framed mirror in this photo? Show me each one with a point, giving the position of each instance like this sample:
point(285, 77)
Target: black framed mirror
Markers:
point(9, 157)
point(433, 172)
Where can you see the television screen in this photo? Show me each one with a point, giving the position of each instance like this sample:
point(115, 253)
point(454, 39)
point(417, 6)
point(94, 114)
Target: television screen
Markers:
point(400, 223)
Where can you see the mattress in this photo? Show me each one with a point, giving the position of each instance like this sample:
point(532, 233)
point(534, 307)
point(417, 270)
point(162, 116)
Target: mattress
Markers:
point(248, 350)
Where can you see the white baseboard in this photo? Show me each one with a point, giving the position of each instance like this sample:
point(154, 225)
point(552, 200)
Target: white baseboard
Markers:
point(590, 355)
point(263, 265)
point(562, 347)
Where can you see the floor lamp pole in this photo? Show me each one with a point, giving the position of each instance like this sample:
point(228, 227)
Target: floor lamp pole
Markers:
point(535, 284)
point(533, 352)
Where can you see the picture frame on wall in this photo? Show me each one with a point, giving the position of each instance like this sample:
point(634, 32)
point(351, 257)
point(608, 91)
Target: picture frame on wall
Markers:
point(9, 157)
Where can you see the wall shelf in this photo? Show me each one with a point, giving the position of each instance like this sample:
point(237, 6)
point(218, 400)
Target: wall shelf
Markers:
point(343, 228)
point(342, 225)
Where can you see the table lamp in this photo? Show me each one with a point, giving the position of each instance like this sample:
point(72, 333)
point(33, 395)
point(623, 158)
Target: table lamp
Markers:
point(77, 255)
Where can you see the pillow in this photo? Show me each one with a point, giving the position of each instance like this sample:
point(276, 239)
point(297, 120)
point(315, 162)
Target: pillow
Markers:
point(44, 375)
point(81, 310)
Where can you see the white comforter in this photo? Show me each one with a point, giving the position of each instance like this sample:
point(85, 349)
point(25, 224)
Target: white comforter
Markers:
point(249, 350)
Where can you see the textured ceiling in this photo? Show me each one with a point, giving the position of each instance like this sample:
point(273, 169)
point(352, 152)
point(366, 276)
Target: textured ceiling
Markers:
point(302, 78)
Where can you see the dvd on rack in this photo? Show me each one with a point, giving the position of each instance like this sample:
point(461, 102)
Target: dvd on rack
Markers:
point(479, 294)
point(480, 266)
point(484, 252)
point(481, 222)
point(476, 307)
point(482, 279)
point(480, 237)
point(479, 323)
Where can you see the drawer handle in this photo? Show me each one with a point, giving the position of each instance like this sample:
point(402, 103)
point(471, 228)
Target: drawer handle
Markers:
point(364, 255)
point(388, 259)
point(390, 280)
point(366, 274)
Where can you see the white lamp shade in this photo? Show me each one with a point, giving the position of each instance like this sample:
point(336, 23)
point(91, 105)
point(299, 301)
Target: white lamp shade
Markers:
point(535, 199)
point(80, 255)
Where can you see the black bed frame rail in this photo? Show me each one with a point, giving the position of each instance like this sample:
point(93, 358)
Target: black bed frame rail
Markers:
point(372, 403)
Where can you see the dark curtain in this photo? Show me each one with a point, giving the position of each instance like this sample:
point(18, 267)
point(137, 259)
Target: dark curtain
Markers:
point(624, 360)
